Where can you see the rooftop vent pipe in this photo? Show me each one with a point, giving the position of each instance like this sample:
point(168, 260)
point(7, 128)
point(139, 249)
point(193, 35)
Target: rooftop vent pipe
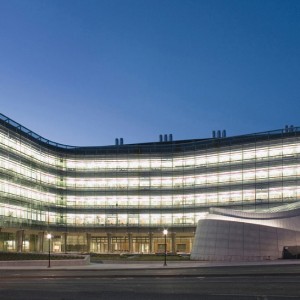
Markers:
point(286, 128)
point(219, 134)
point(224, 134)
point(165, 138)
point(119, 142)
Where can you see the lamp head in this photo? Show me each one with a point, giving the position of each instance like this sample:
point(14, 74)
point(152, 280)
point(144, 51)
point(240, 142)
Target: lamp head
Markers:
point(165, 231)
point(49, 236)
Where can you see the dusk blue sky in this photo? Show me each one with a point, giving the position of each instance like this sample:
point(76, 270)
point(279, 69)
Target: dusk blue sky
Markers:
point(85, 72)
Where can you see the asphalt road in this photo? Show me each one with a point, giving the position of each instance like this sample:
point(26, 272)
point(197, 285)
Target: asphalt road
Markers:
point(82, 288)
point(239, 282)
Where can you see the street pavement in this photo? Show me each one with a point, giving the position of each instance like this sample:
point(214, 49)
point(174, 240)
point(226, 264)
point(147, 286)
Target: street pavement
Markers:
point(269, 280)
point(173, 268)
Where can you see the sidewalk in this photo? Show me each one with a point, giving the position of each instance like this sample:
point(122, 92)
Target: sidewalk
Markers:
point(286, 268)
point(135, 265)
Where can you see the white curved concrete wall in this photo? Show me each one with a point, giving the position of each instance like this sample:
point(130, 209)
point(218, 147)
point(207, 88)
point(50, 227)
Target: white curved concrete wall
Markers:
point(230, 235)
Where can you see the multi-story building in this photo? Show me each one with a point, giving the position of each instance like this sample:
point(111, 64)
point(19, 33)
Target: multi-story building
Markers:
point(121, 197)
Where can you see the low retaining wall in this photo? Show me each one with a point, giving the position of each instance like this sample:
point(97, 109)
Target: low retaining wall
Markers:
point(44, 263)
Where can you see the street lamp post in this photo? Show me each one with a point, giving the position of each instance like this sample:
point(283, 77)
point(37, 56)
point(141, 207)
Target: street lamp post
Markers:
point(49, 236)
point(165, 232)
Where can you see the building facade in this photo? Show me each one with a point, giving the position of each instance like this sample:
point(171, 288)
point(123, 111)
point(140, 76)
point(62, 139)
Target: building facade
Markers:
point(119, 198)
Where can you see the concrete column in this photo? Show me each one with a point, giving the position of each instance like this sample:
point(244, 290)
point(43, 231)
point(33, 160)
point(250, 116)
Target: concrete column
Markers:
point(88, 242)
point(109, 235)
point(19, 240)
point(32, 242)
point(151, 242)
point(64, 242)
point(40, 242)
point(1, 242)
point(173, 242)
point(130, 243)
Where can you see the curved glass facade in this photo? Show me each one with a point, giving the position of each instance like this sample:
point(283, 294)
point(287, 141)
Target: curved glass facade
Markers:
point(120, 198)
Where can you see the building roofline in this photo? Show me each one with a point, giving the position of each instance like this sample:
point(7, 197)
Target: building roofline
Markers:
point(206, 142)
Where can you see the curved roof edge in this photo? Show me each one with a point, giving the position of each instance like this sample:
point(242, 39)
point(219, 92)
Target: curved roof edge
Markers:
point(211, 141)
point(282, 211)
point(32, 134)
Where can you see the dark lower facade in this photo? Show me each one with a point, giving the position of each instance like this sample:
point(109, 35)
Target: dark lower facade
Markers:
point(115, 243)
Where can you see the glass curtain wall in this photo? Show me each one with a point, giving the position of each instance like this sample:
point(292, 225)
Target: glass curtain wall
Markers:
point(158, 185)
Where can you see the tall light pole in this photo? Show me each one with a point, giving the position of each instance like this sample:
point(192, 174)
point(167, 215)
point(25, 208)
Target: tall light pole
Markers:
point(49, 236)
point(165, 232)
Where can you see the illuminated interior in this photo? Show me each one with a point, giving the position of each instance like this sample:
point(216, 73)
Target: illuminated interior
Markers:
point(84, 194)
